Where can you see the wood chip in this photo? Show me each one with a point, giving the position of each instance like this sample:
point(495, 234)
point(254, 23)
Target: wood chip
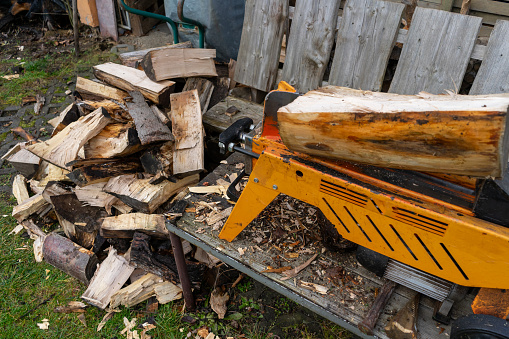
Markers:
point(44, 325)
point(38, 249)
point(276, 270)
point(314, 287)
point(241, 250)
point(105, 319)
point(231, 111)
point(218, 216)
point(292, 273)
point(16, 229)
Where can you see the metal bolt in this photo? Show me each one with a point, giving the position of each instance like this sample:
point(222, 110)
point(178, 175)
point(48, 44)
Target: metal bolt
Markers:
point(256, 180)
point(274, 187)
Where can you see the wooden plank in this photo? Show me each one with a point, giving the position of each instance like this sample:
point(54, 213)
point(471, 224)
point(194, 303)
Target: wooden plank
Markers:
point(149, 127)
point(170, 63)
point(260, 44)
point(493, 75)
point(107, 18)
point(132, 59)
point(87, 10)
point(310, 43)
point(188, 155)
point(459, 134)
point(108, 279)
point(204, 88)
point(97, 89)
point(364, 43)
point(130, 79)
point(216, 120)
point(487, 6)
point(64, 147)
point(435, 57)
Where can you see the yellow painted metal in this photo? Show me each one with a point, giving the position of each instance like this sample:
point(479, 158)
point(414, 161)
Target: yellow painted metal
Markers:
point(431, 237)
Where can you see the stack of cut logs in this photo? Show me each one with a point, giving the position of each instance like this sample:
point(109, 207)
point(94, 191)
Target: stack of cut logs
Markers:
point(116, 160)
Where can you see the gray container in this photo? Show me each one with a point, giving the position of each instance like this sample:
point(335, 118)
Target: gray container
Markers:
point(222, 19)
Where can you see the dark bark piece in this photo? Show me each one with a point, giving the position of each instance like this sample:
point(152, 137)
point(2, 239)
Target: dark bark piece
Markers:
point(159, 159)
point(69, 257)
point(205, 89)
point(158, 264)
point(220, 92)
point(94, 173)
point(69, 115)
point(150, 128)
point(368, 323)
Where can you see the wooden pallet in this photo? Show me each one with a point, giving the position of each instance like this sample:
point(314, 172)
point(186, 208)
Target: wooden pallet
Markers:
point(141, 25)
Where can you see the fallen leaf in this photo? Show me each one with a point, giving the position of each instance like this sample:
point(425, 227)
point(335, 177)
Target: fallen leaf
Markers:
point(107, 317)
point(44, 325)
point(276, 270)
point(218, 301)
point(203, 332)
point(81, 317)
point(292, 273)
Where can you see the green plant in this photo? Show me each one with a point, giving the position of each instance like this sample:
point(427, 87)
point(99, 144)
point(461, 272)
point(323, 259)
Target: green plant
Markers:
point(245, 286)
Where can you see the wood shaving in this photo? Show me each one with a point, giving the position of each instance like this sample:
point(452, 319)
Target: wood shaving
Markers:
point(292, 273)
point(44, 325)
point(314, 287)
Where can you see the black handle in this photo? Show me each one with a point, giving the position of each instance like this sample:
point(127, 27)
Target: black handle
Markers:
point(234, 133)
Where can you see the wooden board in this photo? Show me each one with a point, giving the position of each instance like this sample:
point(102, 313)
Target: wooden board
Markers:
point(97, 89)
point(366, 36)
point(64, 147)
point(188, 155)
point(310, 43)
point(435, 57)
point(216, 120)
point(107, 18)
point(130, 79)
point(493, 75)
point(133, 59)
point(260, 44)
point(170, 63)
point(143, 196)
point(141, 25)
point(464, 134)
point(149, 127)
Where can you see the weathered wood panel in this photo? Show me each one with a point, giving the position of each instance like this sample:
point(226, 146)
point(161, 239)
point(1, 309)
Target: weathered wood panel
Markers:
point(436, 54)
point(493, 75)
point(366, 36)
point(260, 44)
point(309, 47)
point(463, 135)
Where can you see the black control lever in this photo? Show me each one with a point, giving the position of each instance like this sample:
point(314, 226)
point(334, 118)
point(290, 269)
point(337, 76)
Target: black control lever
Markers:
point(234, 134)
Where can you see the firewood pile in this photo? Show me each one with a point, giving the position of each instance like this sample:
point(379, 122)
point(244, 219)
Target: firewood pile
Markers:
point(103, 183)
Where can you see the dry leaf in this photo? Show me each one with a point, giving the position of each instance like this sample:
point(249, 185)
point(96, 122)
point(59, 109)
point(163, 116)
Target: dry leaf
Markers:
point(218, 301)
point(107, 317)
point(44, 325)
point(292, 273)
point(276, 270)
point(81, 317)
point(203, 332)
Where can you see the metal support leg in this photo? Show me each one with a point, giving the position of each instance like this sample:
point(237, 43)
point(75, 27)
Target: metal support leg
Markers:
point(176, 244)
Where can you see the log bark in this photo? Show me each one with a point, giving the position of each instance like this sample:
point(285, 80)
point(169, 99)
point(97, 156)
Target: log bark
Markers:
point(124, 226)
point(465, 135)
point(149, 127)
point(141, 195)
point(204, 88)
point(102, 172)
point(69, 257)
point(115, 140)
point(186, 117)
point(130, 79)
point(107, 280)
point(64, 147)
point(170, 63)
point(159, 160)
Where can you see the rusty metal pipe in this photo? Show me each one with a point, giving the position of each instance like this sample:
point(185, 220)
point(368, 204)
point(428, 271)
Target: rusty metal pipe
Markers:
point(180, 260)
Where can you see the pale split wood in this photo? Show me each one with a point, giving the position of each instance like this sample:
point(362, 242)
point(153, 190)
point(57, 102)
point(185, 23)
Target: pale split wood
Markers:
point(188, 155)
point(364, 43)
point(115, 140)
point(163, 117)
point(455, 134)
point(310, 43)
point(260, 44)
point(35, 204)
point(132, 59)
point(438, 48)
point(19, 189)
point(150, 129)
point(64, 147)
point(143, 196)
point(85, 86)
point(67, 116)
point(50, 172)
point(166, 292)
point(130, 79)
point(493, 75)
point(204, 88)
point(138, 291)
point(170, 63)
point(108, 279)
point(124, 225)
